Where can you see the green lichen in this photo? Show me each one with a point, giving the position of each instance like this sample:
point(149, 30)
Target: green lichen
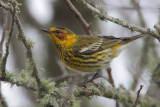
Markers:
point(17, 7)
point(30, 65)
point(109, 92)
point(148, 102)
point(75, 101)
point(9, 75)
point(47, 101)
point(24, 77)
point(63, 84)
point(94, 90)
point(49, 93)
point(48, 86)
point(122, 97)
point(30, 42)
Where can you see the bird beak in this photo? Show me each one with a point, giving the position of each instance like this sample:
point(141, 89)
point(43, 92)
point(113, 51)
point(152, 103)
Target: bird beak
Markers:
point(45, 30)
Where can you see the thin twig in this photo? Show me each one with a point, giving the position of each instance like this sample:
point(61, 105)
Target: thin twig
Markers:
point(110, 76)
point(4, 59)
point(138, 93)
point(109, 71)
point(85, 25)
point(5, 25)
point(104, 16)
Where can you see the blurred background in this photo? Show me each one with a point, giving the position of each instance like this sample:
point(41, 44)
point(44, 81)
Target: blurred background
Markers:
point(135, 65)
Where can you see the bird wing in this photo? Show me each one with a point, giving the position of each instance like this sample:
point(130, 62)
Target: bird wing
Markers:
point(87, 45)
point(91, 44)
point(110, 41)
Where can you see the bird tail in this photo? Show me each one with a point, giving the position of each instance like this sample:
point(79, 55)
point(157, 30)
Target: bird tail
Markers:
point(130, 39)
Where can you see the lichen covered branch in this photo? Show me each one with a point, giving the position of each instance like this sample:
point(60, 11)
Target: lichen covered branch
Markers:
point(104, 16)
point(4, 59)
point(24, 41)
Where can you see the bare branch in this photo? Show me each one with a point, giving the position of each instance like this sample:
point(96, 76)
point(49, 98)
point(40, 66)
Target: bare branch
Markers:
point(110, 76)
point(137, 98)
point(109, 71)
point(104, 16)
point(79, 16)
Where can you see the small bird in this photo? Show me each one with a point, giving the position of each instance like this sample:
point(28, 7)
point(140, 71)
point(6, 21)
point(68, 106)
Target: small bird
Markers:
point(87, 53)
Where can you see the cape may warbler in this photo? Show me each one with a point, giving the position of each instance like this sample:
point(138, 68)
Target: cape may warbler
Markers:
point(84, 52)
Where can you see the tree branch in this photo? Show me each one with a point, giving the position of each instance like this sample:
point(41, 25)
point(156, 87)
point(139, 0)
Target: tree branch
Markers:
point(117, 94)
point(85, 25)
point(12, 81)
point(4, 59)
point(104, 16)
point(110, 76)
point(29, 52)
point(26, 44)
point(137, 98)
point(109, 71)
point(5, 25)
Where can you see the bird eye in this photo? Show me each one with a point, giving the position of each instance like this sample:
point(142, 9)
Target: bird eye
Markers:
point(57, 31)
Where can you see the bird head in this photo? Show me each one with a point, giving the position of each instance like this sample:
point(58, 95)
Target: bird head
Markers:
point(61, 36)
